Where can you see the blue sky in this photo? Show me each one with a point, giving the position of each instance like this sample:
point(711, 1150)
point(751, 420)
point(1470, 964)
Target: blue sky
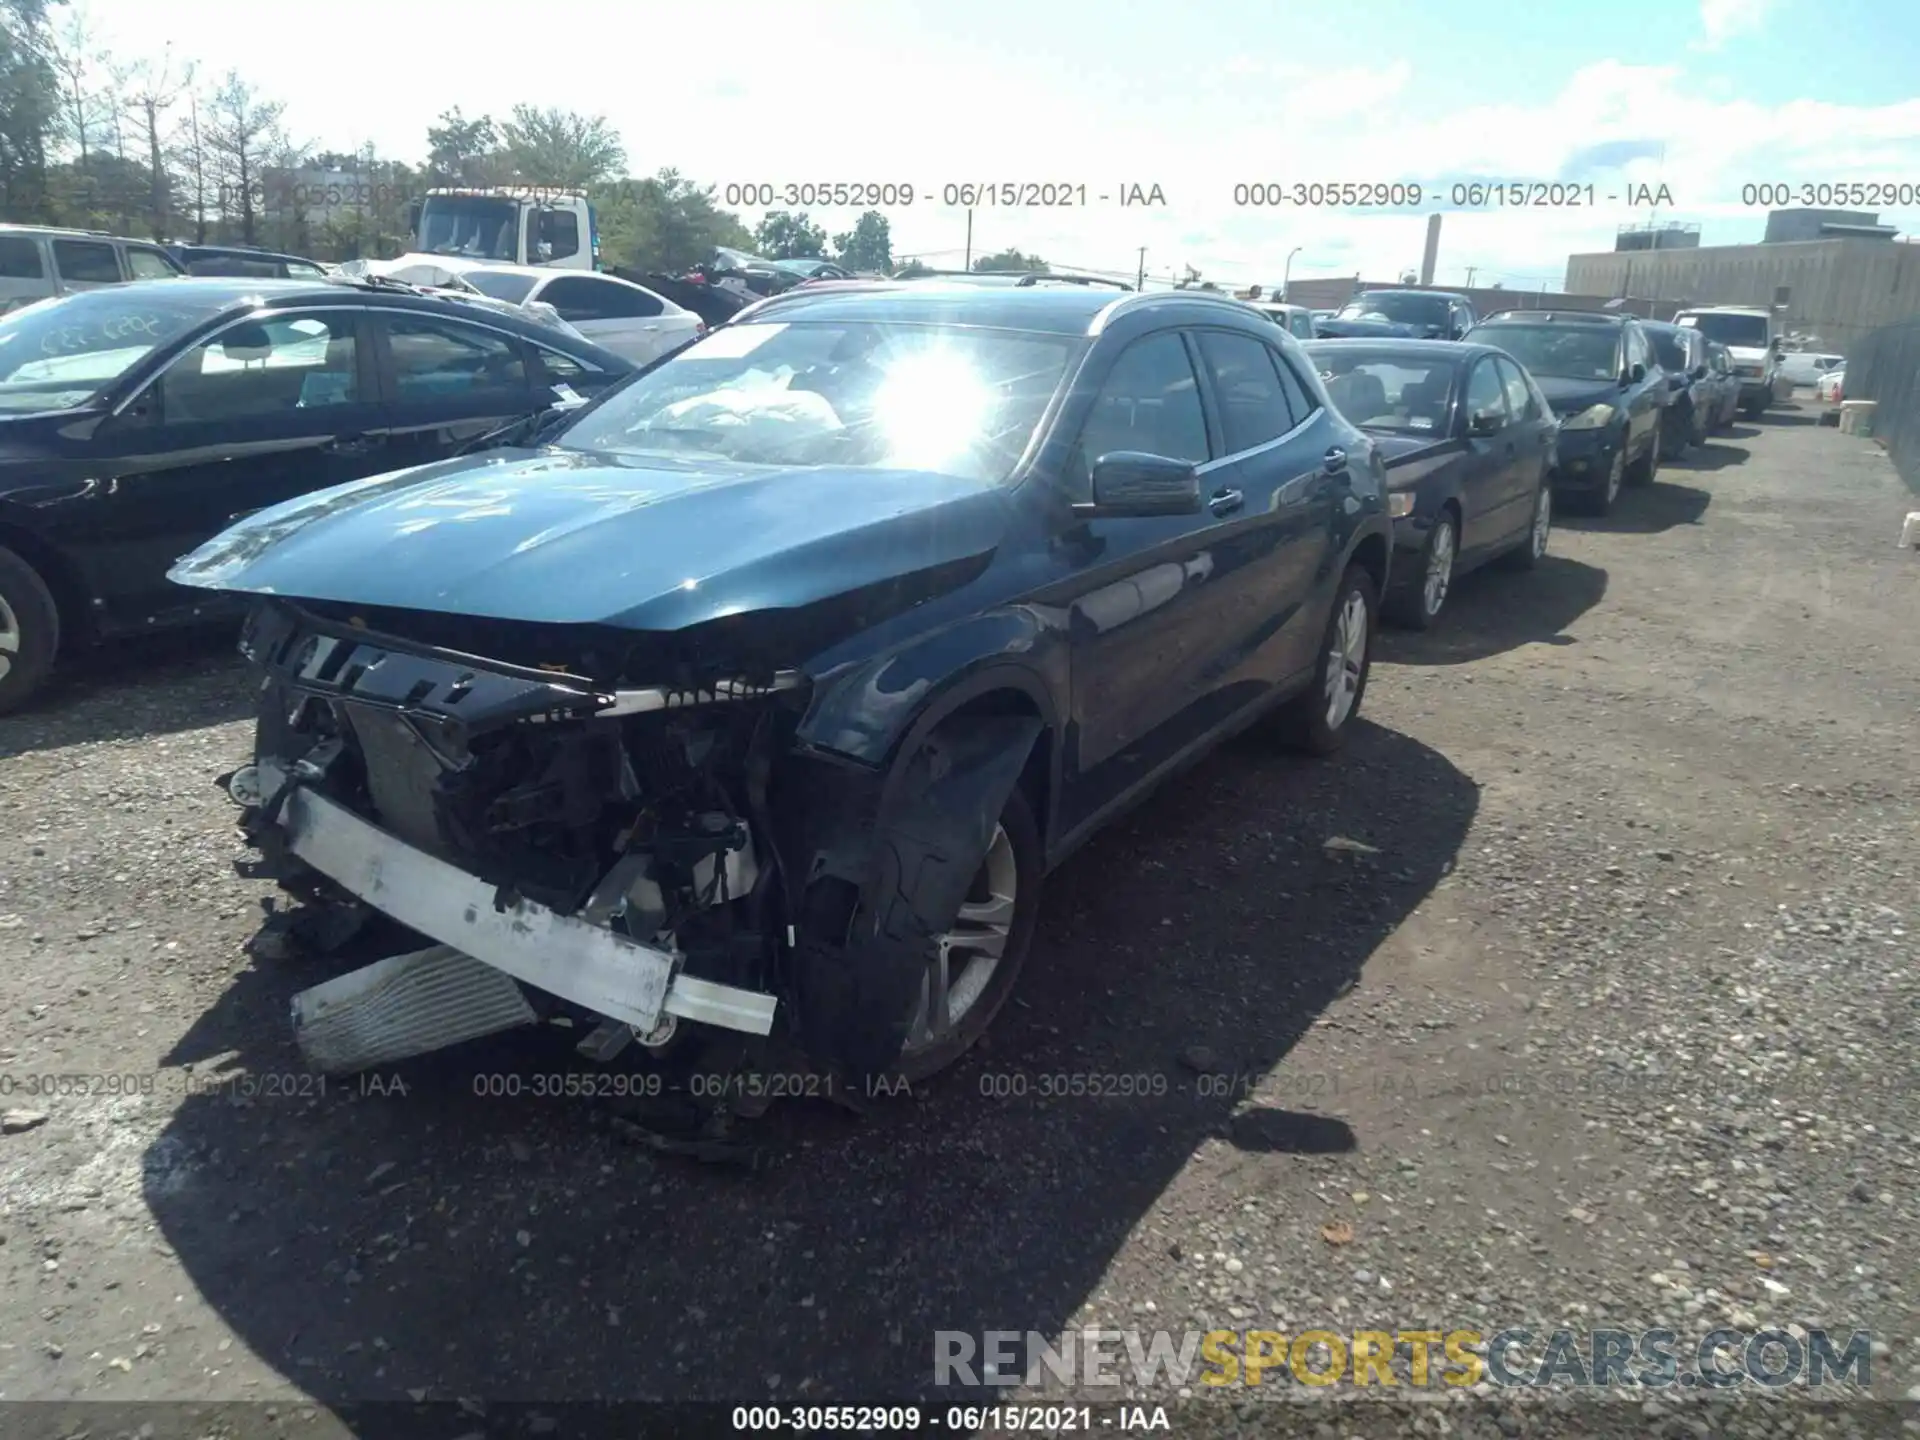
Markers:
point(1701, 95)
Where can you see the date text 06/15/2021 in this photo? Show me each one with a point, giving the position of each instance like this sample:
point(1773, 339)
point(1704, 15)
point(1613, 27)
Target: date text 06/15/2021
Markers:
point(953, 194)
point(1445, 195)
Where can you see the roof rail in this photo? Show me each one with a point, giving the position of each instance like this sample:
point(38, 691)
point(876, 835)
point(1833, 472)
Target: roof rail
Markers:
point(1022, 278)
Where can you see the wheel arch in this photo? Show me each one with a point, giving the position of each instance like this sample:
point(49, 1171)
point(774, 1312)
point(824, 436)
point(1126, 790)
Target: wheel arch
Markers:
point(61, 577)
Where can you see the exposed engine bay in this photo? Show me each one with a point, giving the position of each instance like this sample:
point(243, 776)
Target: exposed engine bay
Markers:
point(638, 856)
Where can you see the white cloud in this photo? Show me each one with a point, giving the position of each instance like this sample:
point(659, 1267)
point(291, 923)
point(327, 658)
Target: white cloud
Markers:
point(1721, 20)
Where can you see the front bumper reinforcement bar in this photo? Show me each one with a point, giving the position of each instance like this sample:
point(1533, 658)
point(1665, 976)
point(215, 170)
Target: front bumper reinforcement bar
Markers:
point(578, 961)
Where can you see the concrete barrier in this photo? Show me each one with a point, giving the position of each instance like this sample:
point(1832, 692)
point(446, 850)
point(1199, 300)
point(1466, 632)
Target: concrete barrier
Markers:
point(1856, 417)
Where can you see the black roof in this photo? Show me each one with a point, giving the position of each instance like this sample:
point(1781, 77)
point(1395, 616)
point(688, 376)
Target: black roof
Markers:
point(1411, 290)
point(1060, 310)
point(238, 252)
point(1555, 317)
point(1460, 351)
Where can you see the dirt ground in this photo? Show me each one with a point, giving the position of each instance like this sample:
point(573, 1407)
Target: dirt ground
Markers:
point(1618, 1026)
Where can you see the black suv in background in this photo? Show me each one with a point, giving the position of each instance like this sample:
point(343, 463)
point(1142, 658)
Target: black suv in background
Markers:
point(1693, 393)
point(1601, 376)
point(1406, 314)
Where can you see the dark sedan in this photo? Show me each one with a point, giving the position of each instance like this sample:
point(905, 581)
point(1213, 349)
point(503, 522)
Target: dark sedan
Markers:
point(1599, 373)
point(1693, 392)
point(1409, 314)
point(770, 688)
point(1468, 441)
point(136, 421)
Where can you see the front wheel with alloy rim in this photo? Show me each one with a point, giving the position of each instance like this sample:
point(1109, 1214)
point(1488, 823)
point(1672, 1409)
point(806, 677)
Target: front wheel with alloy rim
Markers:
point(1600, 502)
point(973, 966)
point(1419, 606)
point(1318, 718)
point(1533, 549)
point(29, 631)
point(1642, 471)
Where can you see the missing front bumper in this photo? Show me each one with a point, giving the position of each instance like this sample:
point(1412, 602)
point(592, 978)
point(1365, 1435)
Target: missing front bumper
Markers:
point(585, 963)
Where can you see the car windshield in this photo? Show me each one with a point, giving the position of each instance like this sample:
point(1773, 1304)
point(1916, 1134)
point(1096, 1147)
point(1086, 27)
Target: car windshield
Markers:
point(1384, 390)
point(961, 401)
point(478, 226)
point(502, 284)
point(1667, 345)
point(1749, 332)
point(1565, 352)
point(60, 353)
point(1398, 306)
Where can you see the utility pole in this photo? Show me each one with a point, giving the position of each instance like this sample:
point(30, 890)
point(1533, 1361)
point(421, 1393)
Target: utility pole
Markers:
point(968, 265)
point(1470, 273)
point(1140, 281)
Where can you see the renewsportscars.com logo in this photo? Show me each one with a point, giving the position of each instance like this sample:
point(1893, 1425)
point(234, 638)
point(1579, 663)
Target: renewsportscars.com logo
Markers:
point(1517, 1357)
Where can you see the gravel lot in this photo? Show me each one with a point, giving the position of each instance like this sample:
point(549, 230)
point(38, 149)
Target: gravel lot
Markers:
point(1617, 1026)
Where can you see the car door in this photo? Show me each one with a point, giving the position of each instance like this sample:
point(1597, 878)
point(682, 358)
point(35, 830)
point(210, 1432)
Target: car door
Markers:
point(148, 262)
point(446, 382)
point(1270, 548)
point(1487, 486)
point(85, 264)
point(1645, 398)
point(266, 409)
point(1532, 430)
point(625, 319)
point(1144, 615)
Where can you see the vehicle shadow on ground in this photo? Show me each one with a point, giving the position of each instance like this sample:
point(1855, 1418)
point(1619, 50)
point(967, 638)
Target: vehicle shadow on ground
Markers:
point(370, 1244)
point(1715, 456)
point(1647, 510)
point(154, 685)
point(1488, 613)
point(1779, 416)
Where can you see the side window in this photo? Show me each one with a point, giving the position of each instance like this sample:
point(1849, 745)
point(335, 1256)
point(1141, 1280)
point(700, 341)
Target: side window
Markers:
point(1519, 397)
point(560, 233)
point(20, 258)
point(1300, 401)
point(1302, 325)
point(583, 298)
point(1150, 401)
point(271, 366)
point(86, 261)
point(440, 359)
point(557, 369)
point(145, 264)
point(1485, 394)
point(1252, 406)
point(301, 270)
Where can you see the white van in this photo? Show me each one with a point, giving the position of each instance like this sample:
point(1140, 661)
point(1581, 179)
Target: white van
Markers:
point(38, 261)
point(1753, 345)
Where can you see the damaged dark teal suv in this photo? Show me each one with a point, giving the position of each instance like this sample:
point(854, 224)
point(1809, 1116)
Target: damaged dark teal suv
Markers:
point(761, 697)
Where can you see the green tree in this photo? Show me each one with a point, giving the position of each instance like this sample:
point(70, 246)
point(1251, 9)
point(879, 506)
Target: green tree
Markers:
point(459, 150)
point(239, 130)
point(868, 246)
point(29, 108)
point(561, 147)
point(789, 235)
point(1010, 259)
point(664, 222)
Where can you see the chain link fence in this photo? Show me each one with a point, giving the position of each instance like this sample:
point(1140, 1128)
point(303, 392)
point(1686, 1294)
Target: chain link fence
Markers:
point(1884, 366)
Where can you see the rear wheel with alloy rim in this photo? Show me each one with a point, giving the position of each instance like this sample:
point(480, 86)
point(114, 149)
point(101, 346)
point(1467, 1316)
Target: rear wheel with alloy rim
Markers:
point(1418, 606)
point(29, 631)
point(1642, 471)
point(1317, 719)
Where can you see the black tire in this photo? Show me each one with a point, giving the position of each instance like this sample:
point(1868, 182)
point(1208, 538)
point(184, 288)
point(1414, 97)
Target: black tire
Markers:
point(1023, 836)
point(1642, 471)
point(1754, 409)
point(1676, 430)
point(1304, 722)
point(29, 631)
point(1408, 606)
point(1601, 501)
point(1533, 545)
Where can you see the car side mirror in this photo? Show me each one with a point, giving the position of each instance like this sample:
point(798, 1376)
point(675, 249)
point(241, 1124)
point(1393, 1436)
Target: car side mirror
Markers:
point(1699, 372)
point(1483, 422)
point(1129, 484)
point(1635, 373)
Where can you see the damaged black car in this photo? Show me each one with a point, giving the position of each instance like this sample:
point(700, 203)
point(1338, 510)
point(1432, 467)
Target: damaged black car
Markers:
point(760, 699)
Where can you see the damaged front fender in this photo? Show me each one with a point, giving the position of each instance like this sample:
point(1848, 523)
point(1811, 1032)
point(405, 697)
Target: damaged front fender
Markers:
point(906, 869)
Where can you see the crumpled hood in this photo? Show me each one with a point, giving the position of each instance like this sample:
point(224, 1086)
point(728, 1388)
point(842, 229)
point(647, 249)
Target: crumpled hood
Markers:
point(570, 537)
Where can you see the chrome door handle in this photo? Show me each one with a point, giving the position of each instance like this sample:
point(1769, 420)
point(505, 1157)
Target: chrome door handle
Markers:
point(1225, 502)
point(1335, 460)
